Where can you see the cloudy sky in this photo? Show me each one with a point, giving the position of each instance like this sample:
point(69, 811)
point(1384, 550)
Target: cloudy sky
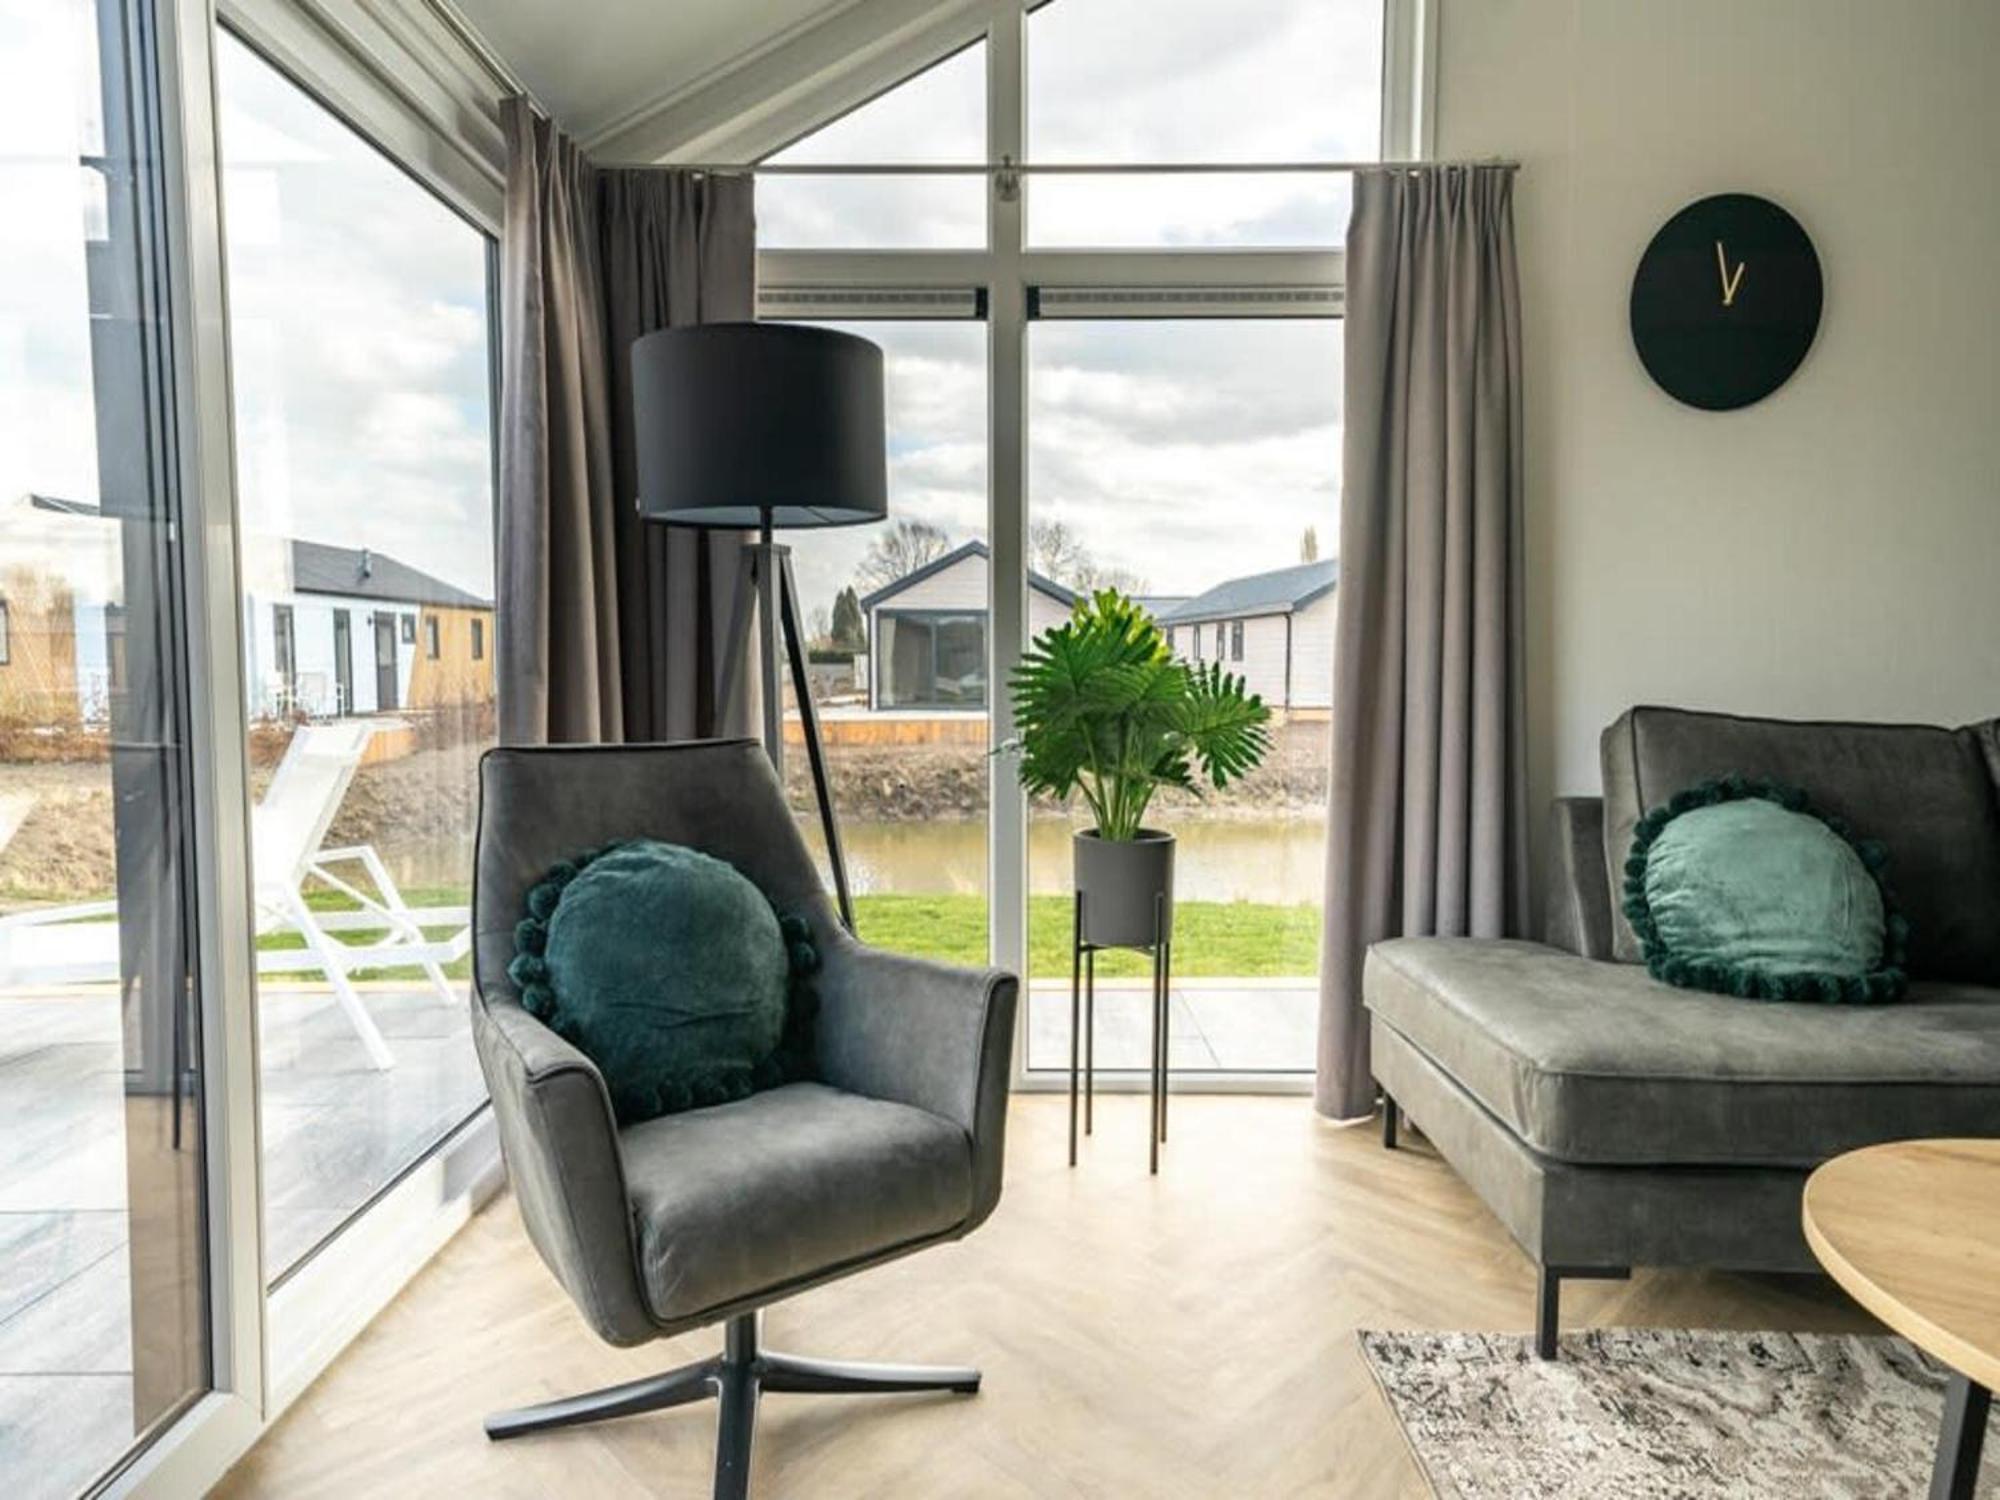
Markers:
point(1186, 452)
point(1183, 451)
point(357, 324)
point(358, 339)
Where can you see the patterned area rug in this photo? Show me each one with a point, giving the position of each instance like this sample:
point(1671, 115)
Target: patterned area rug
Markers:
point(1667, 1414)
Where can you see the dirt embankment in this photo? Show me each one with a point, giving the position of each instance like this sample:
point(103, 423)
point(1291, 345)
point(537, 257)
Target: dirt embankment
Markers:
point(417, 812)
point(922, 783)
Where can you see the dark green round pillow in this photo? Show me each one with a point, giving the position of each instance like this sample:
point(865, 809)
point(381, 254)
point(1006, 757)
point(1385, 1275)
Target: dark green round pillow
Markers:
point(669, 970)
point(1742, 888)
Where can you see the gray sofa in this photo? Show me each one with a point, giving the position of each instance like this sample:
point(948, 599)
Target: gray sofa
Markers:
point(1610, 1120)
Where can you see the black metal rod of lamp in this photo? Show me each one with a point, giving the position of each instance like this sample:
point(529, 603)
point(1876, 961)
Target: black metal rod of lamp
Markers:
point(766, 426)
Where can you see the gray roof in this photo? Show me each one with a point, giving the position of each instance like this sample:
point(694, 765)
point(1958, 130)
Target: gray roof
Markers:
point(952, 559)
point(362, 573)
point(1278, 592)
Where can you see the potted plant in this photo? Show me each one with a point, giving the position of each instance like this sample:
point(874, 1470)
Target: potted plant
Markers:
point(1103, 707)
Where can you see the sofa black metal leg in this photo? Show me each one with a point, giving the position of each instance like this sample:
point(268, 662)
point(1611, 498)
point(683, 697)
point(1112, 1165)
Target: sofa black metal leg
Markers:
point(1548, 1312)
point(792, 1374)
point(1388, 1123)
point(1548, 1299)
point(695, 1382)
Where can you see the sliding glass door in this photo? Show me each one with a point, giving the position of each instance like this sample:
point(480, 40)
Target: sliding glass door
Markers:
point(104, 1319)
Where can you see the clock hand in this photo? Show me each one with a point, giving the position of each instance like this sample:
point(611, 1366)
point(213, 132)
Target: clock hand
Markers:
point(1729, 282)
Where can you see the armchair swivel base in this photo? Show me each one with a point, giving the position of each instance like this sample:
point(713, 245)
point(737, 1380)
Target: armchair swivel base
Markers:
point(736, 1377)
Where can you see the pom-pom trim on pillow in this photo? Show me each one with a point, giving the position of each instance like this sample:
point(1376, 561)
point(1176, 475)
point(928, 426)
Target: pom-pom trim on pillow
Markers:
point(1884, 983)
point(792, 1061)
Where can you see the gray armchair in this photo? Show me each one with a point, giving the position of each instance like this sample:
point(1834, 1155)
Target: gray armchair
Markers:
point(711, 1215)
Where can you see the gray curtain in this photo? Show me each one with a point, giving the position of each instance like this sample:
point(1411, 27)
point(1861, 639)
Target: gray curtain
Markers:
point(609, 629)
point(1426, 829)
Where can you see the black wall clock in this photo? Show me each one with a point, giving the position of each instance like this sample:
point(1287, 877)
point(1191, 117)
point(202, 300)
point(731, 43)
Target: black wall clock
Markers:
point(1726, 301)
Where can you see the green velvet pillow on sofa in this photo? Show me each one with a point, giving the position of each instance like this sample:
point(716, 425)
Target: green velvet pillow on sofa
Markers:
point(1742, 888)
point(670, 971)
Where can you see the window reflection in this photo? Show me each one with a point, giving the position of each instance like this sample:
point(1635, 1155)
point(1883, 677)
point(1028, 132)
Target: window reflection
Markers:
point(358, 339)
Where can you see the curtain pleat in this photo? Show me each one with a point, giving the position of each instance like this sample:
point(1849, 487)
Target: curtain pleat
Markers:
point(610, 629)
point(1426, 818)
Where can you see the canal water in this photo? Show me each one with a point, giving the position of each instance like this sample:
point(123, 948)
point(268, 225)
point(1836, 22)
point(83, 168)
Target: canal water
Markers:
point(1265, 860)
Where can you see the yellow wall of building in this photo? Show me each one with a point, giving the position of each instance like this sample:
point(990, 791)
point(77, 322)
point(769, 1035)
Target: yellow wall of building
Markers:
point(453, 677)
point(38, 679)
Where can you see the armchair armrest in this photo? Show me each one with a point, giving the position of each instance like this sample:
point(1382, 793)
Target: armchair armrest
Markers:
point(560, 1142)
point(1576, 913)
point(926, 1034)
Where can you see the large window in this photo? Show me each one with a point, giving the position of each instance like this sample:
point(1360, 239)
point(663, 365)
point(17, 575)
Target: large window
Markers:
point(359, 340)
point(1168, 427)
point(1195, 464)
point(938, 117)
point(104, 1294)
point(1113, 81)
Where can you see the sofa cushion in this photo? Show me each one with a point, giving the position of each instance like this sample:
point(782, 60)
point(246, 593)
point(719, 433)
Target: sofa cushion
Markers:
point(738, 1200)
point(1596, 1063)
point(1927, 794)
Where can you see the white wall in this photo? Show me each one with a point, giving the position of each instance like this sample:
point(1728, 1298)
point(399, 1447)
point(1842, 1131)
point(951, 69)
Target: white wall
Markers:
point(960, 586)
point(312, 646)
point(1835, 549)
point(1312, 653)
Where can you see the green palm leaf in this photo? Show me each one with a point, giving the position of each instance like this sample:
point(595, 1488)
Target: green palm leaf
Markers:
point(1104, 709)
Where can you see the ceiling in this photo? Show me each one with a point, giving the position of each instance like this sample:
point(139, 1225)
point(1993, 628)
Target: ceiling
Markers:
point(594, 63)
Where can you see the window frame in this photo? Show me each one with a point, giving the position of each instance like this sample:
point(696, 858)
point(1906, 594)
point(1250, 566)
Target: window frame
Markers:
point(6, 635)
point(418, 86)
point(478, 639)
point(285, 646)
point(935, 619)
point(1013, 284)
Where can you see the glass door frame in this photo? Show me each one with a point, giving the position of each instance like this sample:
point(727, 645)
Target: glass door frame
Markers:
point(410, 1219)
point(1009, 278)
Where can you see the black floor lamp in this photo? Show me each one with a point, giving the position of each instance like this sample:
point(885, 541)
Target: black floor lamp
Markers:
point(763, 425)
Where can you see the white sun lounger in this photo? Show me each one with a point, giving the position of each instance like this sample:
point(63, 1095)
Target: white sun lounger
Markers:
point(78, 944)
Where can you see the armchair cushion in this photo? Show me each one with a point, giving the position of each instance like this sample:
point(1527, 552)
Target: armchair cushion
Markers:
point(734, 1202)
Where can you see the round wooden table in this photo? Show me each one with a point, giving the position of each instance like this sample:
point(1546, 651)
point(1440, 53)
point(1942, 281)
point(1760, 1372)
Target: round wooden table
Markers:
point(1911, 1231)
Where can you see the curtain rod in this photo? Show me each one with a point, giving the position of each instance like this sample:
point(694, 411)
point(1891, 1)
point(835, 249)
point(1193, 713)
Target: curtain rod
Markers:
point(1057, 169)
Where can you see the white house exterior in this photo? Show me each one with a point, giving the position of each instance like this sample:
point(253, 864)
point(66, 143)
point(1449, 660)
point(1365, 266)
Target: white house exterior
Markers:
point(927, 640)
point(1275, 630)
point(337, 630)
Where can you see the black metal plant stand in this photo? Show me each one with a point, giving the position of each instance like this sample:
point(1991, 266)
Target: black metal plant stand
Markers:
point(1083, 1024)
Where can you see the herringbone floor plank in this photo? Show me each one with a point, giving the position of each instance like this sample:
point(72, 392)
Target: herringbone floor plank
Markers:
point(1184, 1337)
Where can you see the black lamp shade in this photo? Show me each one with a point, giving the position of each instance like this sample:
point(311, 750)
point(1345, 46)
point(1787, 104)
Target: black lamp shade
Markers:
point(739, 423)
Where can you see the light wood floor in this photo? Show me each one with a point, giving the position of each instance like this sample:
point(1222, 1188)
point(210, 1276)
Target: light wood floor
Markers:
point(1190, 1335)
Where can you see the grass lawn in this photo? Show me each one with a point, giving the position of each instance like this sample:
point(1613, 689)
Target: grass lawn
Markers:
point(1212, 939)
point(322, 899)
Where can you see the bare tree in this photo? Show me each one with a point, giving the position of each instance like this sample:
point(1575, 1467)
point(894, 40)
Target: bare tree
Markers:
point(900, 551)
point(1309, 545)
point(1092, 576)
point(1055, 551)
point(820, 627)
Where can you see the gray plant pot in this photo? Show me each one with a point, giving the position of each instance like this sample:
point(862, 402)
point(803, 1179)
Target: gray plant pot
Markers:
point(1122, 883)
